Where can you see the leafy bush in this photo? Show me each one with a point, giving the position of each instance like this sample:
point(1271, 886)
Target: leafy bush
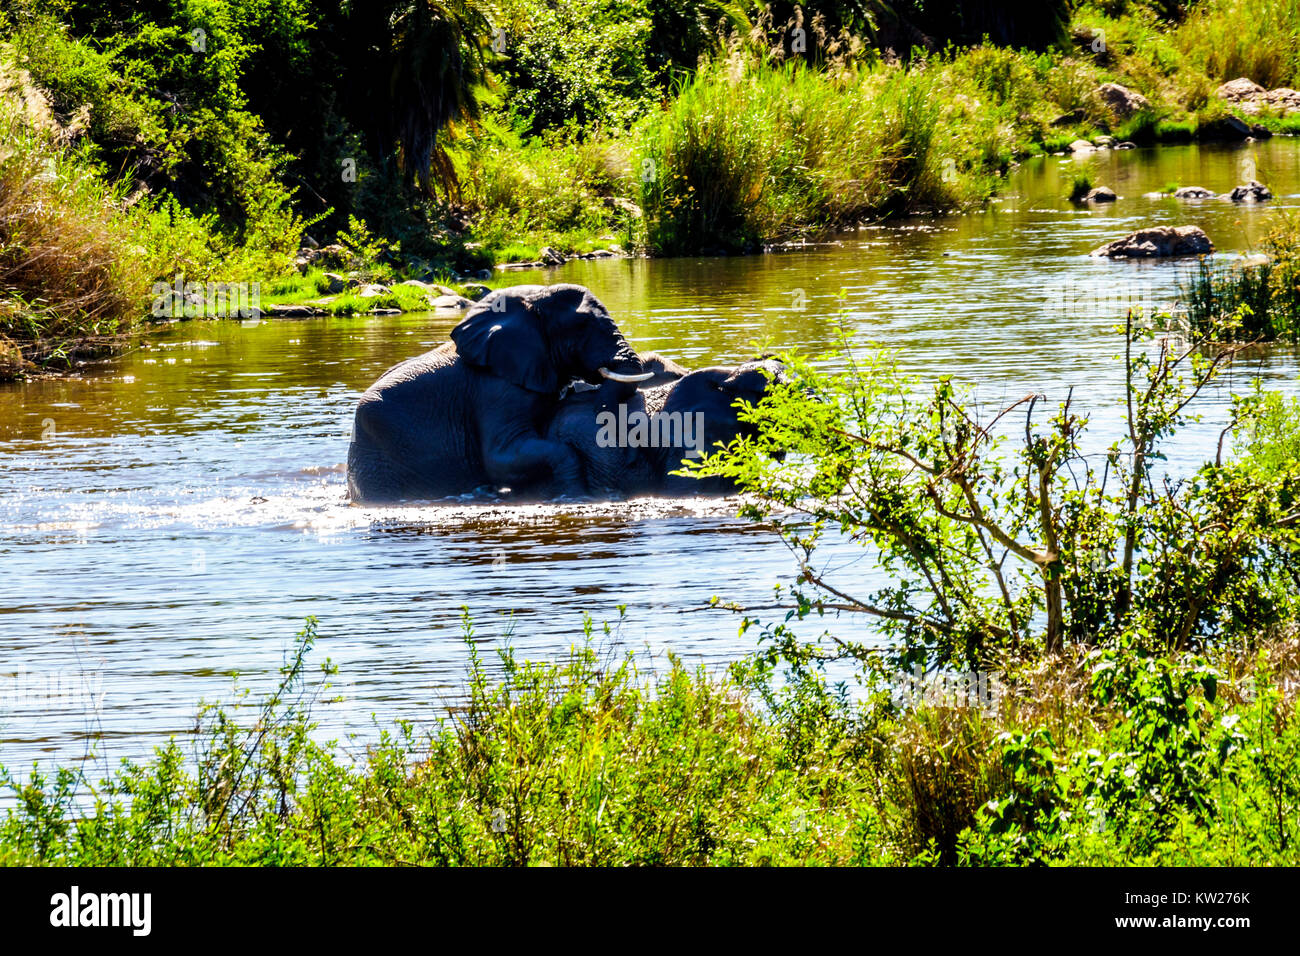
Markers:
point(985, 553)
point(213, 153)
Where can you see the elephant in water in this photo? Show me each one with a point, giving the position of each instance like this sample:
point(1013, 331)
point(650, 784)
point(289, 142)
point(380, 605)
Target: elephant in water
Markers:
point(628, 444)
point(470, 412)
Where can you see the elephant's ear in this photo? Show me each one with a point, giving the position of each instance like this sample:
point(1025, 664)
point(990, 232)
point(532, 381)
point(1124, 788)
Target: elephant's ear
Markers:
point(503, 335)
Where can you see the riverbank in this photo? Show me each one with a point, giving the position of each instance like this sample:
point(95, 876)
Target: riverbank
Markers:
point(730, 146)
point(1097, 758)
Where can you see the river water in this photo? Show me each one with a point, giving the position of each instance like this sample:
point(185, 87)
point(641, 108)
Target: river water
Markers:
point(173, 515)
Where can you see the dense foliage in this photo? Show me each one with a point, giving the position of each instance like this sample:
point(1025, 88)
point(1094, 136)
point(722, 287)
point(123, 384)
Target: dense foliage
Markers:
point(1010, 533)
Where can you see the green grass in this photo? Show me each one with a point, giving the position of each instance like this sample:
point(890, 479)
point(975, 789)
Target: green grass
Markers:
point(600, 760)
point(1081, 186)
point(1263, 299)
point(1252, 38)
point(1280, 125)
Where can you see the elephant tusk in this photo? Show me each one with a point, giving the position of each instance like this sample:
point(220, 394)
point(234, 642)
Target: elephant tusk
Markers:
point(621, 377)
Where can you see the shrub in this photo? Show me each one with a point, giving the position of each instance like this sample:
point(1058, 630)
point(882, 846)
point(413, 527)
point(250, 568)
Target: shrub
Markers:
point(65, 262)
point(583, 63)
point(985, 554)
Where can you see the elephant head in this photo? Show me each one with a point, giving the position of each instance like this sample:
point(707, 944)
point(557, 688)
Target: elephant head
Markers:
point(689, 414)
point(542, 337)
point(715, 394)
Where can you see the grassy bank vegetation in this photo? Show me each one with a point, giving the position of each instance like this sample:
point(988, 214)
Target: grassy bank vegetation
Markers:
point(1259, 300)
point(1116, 755)
point(1137, 641)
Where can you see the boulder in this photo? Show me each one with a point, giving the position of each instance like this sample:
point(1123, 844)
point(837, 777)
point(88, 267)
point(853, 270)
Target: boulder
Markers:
point(1103, 142)
point(1158, 242)
point(1126, 145)
point(429, 288)
point(551, 257)
point(1234, 91)
point(1251, 192)
point(331, 255)
point(475, 291)
point(1192, 192)
point(1120, 100)
point(1230, 128)
point(284, 311)
point(1283, 99)
point(337, 283)
point(1080, 146)
point(1101, 194)
point(452, 301)
point(373, 290)
point(1250, 97)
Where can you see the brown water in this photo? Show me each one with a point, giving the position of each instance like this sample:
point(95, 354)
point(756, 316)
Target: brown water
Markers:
point(175, 514)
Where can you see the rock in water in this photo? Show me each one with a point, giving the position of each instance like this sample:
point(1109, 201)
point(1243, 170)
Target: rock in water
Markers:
point(1159, 242)
point(1101, 194)
point(1192, 192)
point(1252, 192)
point(452, 301)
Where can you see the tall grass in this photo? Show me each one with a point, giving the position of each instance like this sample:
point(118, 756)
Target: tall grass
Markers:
point(1264, 295)
point(1080, 186)
point(65, 265)
point(751, 152)
point(1257, 39)
point(1213, 292)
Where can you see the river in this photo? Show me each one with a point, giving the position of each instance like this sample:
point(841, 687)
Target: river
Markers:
point(173, 515)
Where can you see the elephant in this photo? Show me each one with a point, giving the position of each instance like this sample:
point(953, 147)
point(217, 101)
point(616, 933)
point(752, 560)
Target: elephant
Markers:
point(629, 444)
point(470, 413)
